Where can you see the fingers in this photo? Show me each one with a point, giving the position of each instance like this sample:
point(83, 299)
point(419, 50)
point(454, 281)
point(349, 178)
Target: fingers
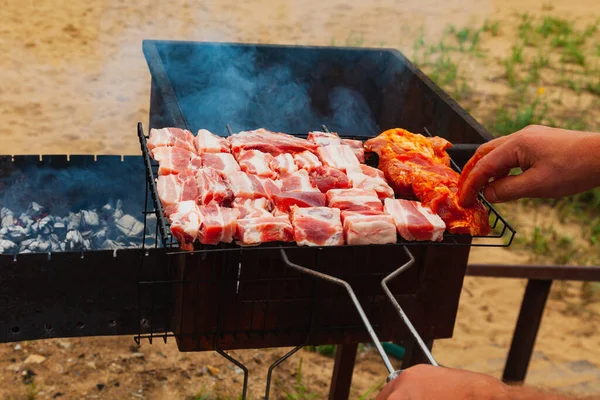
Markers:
point(492, 164)
point(511, 187)
point(387, 390)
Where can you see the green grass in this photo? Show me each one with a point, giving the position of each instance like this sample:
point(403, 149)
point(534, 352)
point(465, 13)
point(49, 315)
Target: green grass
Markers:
point(299, 391)
point(492, 27)
point(327, 350)
point(516, 56)
point(371, 390)
point(509, 121)
point(573, 54)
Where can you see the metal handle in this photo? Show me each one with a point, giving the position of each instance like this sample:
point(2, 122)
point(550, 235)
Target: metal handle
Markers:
point(357, 305)
point(400, 311)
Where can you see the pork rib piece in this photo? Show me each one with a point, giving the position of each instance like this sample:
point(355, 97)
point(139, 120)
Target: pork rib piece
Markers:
point(307, 160)
point(222, 162)
point(173, 160)
point(254, 231)
point(357, 148)
point(271, 186)
point(246, 186)
point(326, 178)
point(171, 137)
point(324, 138)
point(413, 221)
point(219, 224)
point(256, 162)
point(374, 181)
point(207, 142)
point(252, 208)
point(283, 164)
point(317, 226)
point(297, 182)
point(212, 187)
point(341, 157)
point(185, 221)
point(269, 142)
point(354, 200)
point(367, 229)
point(284, 201)
point(175, 188)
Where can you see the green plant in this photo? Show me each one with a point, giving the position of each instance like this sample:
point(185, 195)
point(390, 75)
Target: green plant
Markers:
point(202, 395)
point(539, 243)
point(554, 26)
point(510, 74)
point(327, 350)
point(517, 55)
point(371, 390)
point(31, 391)
point(526, 114)
point(573, 54)
point(299, 390)
point(492, 27)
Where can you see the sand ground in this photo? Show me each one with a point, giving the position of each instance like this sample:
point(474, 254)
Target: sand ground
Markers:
point(74, 80)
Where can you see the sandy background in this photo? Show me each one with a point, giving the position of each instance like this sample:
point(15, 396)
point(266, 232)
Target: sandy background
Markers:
point(74, 80)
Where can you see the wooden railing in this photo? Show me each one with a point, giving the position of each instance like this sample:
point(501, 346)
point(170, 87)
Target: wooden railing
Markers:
point(540, 279)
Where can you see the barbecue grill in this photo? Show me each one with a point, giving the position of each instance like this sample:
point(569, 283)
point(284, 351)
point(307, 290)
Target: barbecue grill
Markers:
point(218, 298)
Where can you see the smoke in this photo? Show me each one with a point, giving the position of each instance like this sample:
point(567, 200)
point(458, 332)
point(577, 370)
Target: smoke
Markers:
point(291, 90)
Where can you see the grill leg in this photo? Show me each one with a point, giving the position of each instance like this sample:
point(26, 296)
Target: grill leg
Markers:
point(413, 354)
point(341, 380)
point(530, 317)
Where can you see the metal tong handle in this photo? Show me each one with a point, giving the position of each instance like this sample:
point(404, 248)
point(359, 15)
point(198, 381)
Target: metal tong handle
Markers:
point(357, 305)
point(402, 314)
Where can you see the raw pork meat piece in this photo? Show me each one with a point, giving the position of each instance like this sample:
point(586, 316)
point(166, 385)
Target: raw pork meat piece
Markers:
point(271, 186)
point(222, 162)
point(340, 157)
point(249, 208)
point(269, 142)
point(185, 221)
point(219, 224)
point(256, 162)
point(368, 229)
point(283, 164)
point(255, 231)
point(372, 172)
point(207, 142)
point(297, 182)
point(360, 180)
point(284, 201)
point(317, 226)
point(326, 178)
point(171, 137)
point(175, 188)
point(307, 160)
point(357, 148)
point(173, 160)
point(246, 186)
point(415, 222)
point(324, 138)
point(354, 200)
point(213, 187)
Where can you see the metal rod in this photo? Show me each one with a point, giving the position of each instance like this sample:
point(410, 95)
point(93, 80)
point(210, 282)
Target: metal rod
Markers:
point(276, 363)
point(357, 305)
point(241, 366)
point(400, 311)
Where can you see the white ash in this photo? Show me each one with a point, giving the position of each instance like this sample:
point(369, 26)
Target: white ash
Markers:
point(108, 228)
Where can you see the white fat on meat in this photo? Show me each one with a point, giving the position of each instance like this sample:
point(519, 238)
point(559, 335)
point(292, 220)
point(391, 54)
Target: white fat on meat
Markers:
point(307, 160)
point(297, 182)
point(354, 200)
point(375, 181)
point(222, 162)
point(269, 142)
point(341, 157)
point(362, 229)
point(256, 162)
point(253, 208)
point(171, 137)
point(175, 188)
point(357, 147)
point(186, 221)
point(324, 138)
point(317, 226)
point(174, 160)
point(265, 229)
point(414, 221)
point(207, 142)
point(283, 164)
point(212, 187)
point(219, 224)
point(246, 186)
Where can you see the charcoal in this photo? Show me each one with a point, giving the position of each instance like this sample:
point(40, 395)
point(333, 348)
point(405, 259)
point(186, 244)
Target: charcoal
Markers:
point(7, 246)
point(34, 210)
point(74, 240)
point(111, 245)
point(7, 216)
point(25, 220)
point(130, 226)
point(17, 233)
point(54, 242)
point(73, 221)
point(87, 234)
point(44, 226)
point(87, 244)
point(100, 237)
point(41, 245)
point(89, 219)
point(59, 226)
point(63, 246)
point(3, 232)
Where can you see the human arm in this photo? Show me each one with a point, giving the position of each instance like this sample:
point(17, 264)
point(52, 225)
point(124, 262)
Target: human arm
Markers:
point(555, 163)
point(425, 382)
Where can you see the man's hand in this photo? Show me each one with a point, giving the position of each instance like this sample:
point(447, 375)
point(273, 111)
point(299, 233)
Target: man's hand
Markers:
point(555, 163)
point(426, 382)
